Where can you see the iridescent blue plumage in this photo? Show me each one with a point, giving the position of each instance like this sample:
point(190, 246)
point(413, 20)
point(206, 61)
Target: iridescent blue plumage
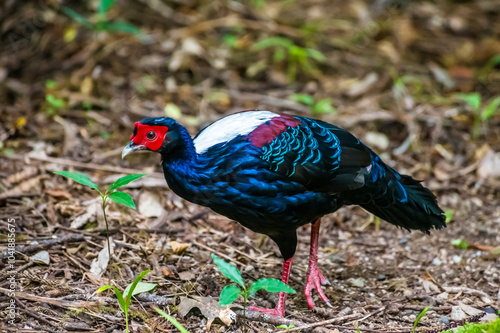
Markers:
point(287, 172)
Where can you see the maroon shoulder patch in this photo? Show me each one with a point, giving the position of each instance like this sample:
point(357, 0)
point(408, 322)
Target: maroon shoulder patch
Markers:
point(267, 132)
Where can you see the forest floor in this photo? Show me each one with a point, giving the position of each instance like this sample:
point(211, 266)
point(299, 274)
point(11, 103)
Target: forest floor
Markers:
point(390, 72)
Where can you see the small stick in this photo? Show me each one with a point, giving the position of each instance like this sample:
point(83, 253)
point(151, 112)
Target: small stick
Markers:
point(43, 245)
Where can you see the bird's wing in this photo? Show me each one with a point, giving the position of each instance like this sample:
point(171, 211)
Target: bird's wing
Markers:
point(318, 155)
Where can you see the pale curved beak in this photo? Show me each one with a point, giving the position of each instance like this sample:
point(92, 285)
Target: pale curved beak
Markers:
point(131, 147)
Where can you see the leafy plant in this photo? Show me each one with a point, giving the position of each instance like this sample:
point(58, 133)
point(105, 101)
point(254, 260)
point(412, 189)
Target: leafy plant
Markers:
point(459, 243)
point(101, 22)
point(53, 104)
point(112, 192)
point(481, 114)
point(172, 320)
point(230, 293)
point(419, 317)
point(322, 106)
point(489, 327)
point(449, 215)
point(136, 287)
point(286, 327)
point(298, 57)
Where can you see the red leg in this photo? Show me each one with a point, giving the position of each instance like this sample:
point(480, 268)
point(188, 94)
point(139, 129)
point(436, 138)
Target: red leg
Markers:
point(314, 276)
point(280, 307)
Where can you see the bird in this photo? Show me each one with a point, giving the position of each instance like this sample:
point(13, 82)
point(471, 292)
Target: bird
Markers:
point(274, 172)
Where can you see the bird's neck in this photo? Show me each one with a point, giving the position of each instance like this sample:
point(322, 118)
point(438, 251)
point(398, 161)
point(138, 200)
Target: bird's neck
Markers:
point(184, 168)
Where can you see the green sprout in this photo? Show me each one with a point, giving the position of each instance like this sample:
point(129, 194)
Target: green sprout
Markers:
point(136, 287)
point(230, 293)
point(286, 327)
point(298, 57)
point(316, 107)
point(459, 243)
point(112, 192)
point(481, 114)
point(101, 21)
point(419, 317)
point(172, 320)
point(448, 214)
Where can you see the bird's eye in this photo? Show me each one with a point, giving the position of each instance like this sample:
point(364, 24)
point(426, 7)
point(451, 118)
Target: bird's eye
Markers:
point(151, 135)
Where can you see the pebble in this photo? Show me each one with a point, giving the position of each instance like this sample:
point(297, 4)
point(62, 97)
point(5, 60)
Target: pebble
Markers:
point(444, 320)
point(381, 277)
point(359, 282)
point(436, 262)
point(457, 313)
point(457, 259)
point(490, 310)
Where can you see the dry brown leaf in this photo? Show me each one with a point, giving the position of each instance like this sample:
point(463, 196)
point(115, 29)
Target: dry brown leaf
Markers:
point(178, 247)
point(59, 194)
point(209, 307)
point(27, 172)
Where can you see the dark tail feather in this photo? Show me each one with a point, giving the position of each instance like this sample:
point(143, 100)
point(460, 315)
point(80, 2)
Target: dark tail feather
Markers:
point(402, 200)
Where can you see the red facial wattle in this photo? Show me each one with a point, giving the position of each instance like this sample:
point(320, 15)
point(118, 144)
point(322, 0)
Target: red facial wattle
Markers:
point(149, 136)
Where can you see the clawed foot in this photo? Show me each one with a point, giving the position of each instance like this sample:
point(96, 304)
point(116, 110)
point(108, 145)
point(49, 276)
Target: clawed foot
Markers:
point(314, 281)
point(280, 312)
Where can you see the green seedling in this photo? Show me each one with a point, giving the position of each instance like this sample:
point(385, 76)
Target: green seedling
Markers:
point(298, 57)
point(459, 243)
point(449, 215)
point(100, 21)
point(316, 107)
point(286, 327)
point(230, 292)
point(172, 320)
point(481, 114)
point(53, 104)
point(136, 287)
point(419, 317)
point(112, 192)
point(489, 327)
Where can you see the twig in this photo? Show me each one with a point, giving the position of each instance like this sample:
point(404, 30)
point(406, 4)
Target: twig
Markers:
point(267, 318)
point(160, 300)
point(323, 323)
point(367, 316)
point(42, 245)
point(33, 314)
point(54, 301)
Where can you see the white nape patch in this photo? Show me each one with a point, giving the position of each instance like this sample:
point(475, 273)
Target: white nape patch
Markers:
point(227, 128)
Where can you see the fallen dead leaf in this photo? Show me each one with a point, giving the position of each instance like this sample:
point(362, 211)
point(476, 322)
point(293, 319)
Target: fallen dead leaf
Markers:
point(178, 247)
point(209, 308)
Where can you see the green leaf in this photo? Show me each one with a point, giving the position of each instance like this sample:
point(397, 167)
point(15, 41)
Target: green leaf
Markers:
point(303, 99)
point(316, 55)
point(491, 109)
point(141, 287)
point(122, 27)
point(228, 270)
point(77, 17)
point(419, 317)
point(473, 99)
point(118, 295)
point(172, 320)
point(270, 285)
point(104, 6)
point(100, 290)
point(324, 106)
point(124, 181)
point(448, 215)
point(55, 102)
point(273, 41)
point(228, 295)
point(79, 178)
point(131, 287)
point(122, 198)
point(461, 244)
